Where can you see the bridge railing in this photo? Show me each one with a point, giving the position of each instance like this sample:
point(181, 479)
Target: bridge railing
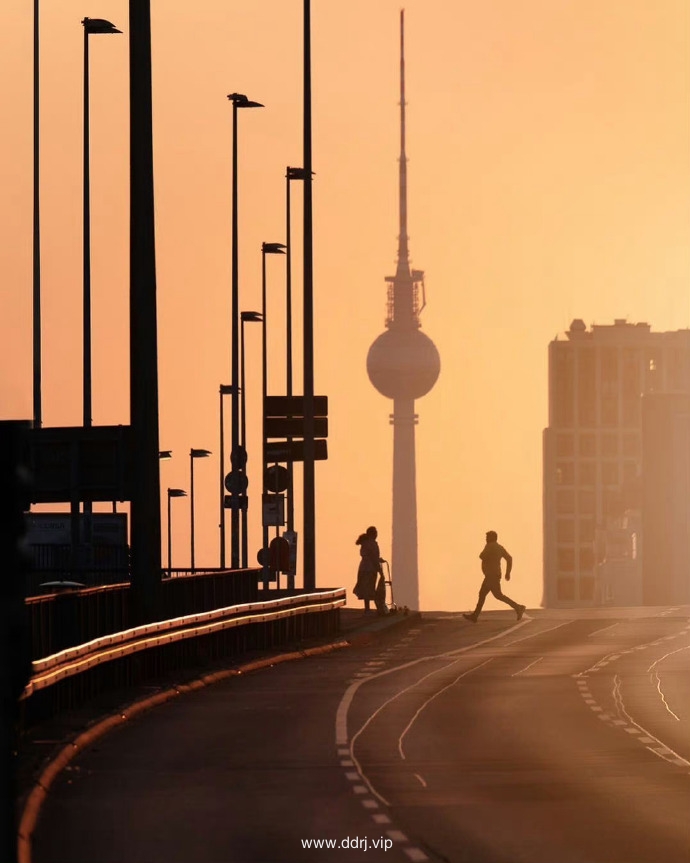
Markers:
point(62, 620)
point(120, 659)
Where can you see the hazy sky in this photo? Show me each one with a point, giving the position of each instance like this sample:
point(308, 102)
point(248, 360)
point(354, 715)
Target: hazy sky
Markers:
point(549, 178)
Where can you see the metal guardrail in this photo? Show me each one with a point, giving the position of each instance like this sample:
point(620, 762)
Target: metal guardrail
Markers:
point(61, 620)
point(74, 660)
point(120, 660)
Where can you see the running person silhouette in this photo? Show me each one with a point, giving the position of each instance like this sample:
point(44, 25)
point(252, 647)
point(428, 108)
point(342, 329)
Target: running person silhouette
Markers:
point(491, 567)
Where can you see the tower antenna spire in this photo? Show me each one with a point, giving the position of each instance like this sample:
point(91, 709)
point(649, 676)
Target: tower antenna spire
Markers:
point(403, 251)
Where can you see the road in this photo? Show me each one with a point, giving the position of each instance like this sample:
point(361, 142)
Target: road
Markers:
point(564, 738)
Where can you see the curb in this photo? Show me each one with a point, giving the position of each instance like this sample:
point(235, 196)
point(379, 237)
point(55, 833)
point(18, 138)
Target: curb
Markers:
point(39, 792)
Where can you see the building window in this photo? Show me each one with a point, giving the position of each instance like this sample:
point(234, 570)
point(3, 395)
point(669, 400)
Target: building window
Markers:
point(609, 368)
point(631, 388)
point(609, 473)
point(563, 387)
point(586, 526)
point(586, 588)
point(565, 530)
point(586, 558)
point(609, 445)
point(565, 589)
point(629, 471)
point(586, 397)
point(609, 409)
point(631, 445)
point(588, 444)
point(565, 473)
point(565, 501)
point(565, 445)
point(586, 501)
point(566, 559)
point(587, 473)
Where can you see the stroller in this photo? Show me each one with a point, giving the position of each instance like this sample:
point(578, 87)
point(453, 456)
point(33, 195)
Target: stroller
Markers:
point(382, 604)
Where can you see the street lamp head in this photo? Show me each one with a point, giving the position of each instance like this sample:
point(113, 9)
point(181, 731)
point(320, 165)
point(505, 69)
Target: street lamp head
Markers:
point(297, 174)
point(99, 25)
point(239, 100)
point(200, 453)
point(177, 492)
point(273, 248)
point(165, 453)
point(251, 317)
point(227, 389)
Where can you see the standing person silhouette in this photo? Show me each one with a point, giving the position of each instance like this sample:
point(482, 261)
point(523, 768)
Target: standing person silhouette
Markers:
point(491, 567)
point(369, 569)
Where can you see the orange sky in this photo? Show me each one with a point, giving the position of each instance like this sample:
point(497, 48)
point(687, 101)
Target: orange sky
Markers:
point(549, 178)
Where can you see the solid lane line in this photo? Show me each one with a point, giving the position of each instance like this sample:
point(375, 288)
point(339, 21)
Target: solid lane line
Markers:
point(527, 666)
point(604, 629)
point(430, 699)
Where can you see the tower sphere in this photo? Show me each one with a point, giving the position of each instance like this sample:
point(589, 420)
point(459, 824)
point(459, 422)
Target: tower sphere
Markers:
point(403, 363)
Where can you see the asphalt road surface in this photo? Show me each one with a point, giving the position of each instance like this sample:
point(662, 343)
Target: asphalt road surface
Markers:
point(564, 738)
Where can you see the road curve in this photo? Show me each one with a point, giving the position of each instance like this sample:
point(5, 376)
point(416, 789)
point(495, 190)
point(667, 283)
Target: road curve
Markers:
point(565, 737)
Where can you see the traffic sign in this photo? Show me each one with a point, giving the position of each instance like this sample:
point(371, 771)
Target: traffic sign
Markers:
point(293, 406)
point(279, 554)
point(238, 458)
point(236, 482)
point(235, 501)
point(276, 478)
point(273, 510)
point(293, 427)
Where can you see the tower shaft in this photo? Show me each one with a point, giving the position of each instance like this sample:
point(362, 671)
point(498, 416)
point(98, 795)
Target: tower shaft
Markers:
point(404, 534)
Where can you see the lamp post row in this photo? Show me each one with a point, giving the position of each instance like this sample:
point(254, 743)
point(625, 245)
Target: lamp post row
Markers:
point(143, 357)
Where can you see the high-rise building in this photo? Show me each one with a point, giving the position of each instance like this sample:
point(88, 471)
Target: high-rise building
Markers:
point(593, 444)
point(403, 364)
point(666, 498)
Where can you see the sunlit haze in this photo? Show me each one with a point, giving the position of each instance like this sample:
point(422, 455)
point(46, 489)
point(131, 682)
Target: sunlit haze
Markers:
point(549, 179)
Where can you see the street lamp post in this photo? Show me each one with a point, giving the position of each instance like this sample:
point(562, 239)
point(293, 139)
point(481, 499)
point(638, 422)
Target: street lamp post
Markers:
point(91, 26)
point(245, 318)
point(193, 453)
point(266, 249)
point(291, 174)
point(36, 232)
point(238, 101)
point(224, 390)
point(172, 492)
point(309, 497)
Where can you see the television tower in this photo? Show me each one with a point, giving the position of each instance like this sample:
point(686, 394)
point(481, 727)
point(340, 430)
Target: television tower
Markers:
point(403, 364)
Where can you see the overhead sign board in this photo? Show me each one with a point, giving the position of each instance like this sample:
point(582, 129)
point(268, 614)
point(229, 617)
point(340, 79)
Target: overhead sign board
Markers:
point(83, 463)
point(293, 427)
point(283, 451)
point(293, 406)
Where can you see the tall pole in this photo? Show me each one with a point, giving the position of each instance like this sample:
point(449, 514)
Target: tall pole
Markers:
point(221, 484)
point(169, 536)
point(191, 508)
point(145, 511)
point(309, 498)
point(86, 243)
point(243, 444)
point(264, 393)
point(235, 513)
point(38, 419)
point(288, 343)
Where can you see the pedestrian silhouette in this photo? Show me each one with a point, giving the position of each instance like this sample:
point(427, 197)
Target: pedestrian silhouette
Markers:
point(491, 567)
point(369, 569)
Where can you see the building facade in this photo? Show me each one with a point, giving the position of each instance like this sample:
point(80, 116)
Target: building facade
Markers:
point(666, 498)
point(593, 453)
